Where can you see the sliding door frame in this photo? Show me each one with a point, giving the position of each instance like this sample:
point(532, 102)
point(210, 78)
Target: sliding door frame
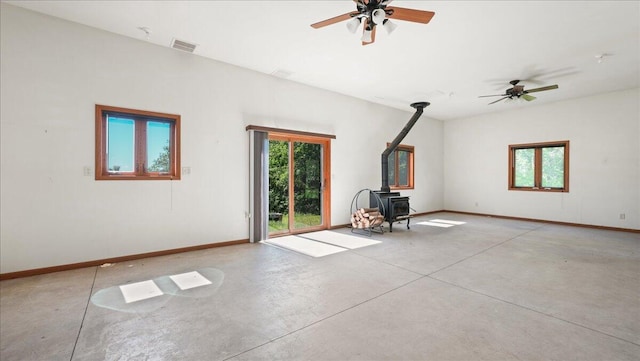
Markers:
point(259, 170)
point(325, 142)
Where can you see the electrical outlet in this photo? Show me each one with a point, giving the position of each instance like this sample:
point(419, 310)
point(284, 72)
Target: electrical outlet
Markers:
point(186, 170)
point(622, 216)
point(87, 171)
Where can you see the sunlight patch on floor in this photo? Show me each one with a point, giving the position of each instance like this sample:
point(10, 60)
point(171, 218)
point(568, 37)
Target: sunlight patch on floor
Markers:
point(340, 239)
point(305, 246)
point(189, 280)
point(443, 223)
point(455, 223)
point(139, 291)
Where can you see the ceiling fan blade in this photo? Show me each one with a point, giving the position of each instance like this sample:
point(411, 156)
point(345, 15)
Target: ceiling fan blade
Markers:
point(497, 95)
point(417, 16)
point(373, 34)
point(498, 100)
point(541, 89)
point(528, 97)
point(334, 20)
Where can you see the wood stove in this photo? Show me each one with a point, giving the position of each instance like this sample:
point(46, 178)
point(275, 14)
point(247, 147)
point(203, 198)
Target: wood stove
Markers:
point(394, 206)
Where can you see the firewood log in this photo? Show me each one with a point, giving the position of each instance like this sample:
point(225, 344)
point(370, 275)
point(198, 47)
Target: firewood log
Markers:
point(372, 215)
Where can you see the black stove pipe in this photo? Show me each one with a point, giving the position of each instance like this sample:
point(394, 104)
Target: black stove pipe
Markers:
point(385, 155)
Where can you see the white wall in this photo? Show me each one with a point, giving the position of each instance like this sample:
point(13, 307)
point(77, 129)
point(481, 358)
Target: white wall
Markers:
point(53, 73)
point(604, 132)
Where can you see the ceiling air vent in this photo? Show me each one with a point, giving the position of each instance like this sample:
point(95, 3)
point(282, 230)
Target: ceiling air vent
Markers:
point(183, 45)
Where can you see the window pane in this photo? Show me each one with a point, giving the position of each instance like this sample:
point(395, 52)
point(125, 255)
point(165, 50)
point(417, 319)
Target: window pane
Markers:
point(524, 167)
point(158, 146)
point(120, 144)
point(392, 168)
point(403, 168)
point(553, 167)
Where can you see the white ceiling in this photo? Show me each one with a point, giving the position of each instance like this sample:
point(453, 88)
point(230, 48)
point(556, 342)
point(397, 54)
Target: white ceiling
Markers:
point(469, 48)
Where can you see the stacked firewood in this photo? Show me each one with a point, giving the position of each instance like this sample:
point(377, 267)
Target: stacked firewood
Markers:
point(366, 218)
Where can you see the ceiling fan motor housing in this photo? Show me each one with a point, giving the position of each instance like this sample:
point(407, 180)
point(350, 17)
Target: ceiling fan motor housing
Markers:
point(369, 10)
point(516, 91)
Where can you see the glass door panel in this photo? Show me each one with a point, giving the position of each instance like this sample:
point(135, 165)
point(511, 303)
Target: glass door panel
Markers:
point(278, 186)
point(307, 185)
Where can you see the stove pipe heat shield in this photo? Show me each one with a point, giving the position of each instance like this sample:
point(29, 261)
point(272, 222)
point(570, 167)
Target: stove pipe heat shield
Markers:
point(385, 155)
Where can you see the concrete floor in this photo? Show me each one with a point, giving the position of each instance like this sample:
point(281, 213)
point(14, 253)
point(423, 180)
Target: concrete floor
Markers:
point(491, 289)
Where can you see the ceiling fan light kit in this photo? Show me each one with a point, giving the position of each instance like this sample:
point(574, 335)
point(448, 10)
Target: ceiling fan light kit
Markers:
point(353, 25)
point(367, 36)
point(378, 16)
point(376, 12)
point(389, 26)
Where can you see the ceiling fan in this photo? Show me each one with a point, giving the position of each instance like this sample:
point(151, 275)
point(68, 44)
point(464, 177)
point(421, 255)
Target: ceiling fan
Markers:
point(376, 12)
point(518, 91)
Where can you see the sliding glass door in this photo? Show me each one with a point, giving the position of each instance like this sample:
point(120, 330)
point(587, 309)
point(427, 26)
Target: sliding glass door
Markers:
point(298, 184)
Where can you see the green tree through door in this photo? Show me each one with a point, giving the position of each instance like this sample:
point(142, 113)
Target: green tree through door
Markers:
point(304, 190)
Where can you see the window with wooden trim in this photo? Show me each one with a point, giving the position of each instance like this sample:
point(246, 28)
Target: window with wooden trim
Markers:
point(136, 144)
point(539, 167)
point(401, 167)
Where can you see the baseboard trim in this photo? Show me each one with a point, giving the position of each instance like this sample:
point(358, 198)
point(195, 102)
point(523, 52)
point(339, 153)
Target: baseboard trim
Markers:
point(98, 262)
point(606, 228)
point(94, 263)
point(427, 213)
